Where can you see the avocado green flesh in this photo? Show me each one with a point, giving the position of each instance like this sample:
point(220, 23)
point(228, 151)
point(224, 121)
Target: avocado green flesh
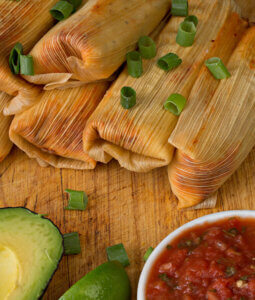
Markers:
point(109, 281)
point(30, 250)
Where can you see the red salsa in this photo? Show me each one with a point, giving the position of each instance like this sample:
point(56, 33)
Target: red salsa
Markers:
point(214, 261)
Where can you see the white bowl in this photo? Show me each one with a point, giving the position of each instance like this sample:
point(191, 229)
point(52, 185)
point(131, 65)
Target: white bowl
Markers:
point(162, 246)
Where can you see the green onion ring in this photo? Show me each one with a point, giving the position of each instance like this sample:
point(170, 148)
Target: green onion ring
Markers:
point(71, 243)
point(148, 253)
point(217, 68)
point(75, 3)
point(118, 252)
point(78, 200)
point(147, 47)
point(134, 64)
point(14, 58)
point(186, 34)
point(175, 104)
point(169, 62)
point(180, 8)
point(127, 97)
point(61, 10)
point(26, 65)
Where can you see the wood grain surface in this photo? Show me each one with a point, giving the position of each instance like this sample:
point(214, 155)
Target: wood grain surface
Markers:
point(138, 210)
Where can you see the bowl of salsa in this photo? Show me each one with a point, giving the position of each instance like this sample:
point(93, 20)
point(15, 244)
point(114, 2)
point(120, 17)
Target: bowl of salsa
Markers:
point(212, 257)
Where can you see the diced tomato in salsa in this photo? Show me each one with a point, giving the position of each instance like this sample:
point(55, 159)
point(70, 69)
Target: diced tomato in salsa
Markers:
point(215, 261)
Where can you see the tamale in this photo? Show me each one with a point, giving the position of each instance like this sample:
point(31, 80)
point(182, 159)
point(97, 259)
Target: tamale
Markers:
point(92, 44)
point(214, 137)
point(5, 121)
point(21, 21)
point(138, 138)
point(51, 130)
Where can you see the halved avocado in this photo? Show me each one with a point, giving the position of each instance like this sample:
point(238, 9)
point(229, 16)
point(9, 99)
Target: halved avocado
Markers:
point(31, 247)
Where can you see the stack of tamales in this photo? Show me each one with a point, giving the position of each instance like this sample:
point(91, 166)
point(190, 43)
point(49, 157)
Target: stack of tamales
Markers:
point(96, 38)
point(138, 138)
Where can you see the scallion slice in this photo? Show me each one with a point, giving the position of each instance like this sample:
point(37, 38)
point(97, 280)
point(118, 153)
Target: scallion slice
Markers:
point(14, 58)
point(148, 253)
point(175, 104)
point(127, 97)
point(75, 3)
point(147, 47)
point(61, 10)
point(217, 68)
point(78, 200)
point(72, 243)
point(118, 252)
point(134, 64)
point(169, 62)
point(192, 19)
point(26, 65)
point(180, 8)
point(186, 34)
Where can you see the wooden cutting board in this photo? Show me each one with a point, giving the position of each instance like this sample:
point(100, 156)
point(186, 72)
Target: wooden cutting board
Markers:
point(138, 210)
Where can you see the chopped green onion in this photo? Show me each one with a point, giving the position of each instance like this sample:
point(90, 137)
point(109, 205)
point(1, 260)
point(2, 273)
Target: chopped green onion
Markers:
point(61, 10)
point(14, 58)
point(118, 252)
point(78, 200)
point(134, 64)
point(245, 278)
point(148, 253)
point(147, 47)
point(26, 65)
point(175, 104)
point(75, 3)
point(72, 243)
point(192, 19)
point(180, 8)
point(186, 34)
point(169, 62)
point(230, 271)
point(169, 247)
point(127, 97)
point(217, 68)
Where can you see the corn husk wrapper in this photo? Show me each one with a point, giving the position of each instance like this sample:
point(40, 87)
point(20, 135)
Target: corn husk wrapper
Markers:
point(51, 130)
point(5, 121)
point(247, 9)
point(214, 137)
point(92, 44)
point(138, 137)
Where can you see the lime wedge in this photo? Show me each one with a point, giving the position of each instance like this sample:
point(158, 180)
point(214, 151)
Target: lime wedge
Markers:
point(108, 281)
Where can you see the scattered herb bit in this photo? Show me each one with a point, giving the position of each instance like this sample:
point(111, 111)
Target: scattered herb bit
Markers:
point(186, 34)
point(118, 252)
point(78, 200)
point(243, 230)
point(169, 62)
point(148, 253)
point(244, 277)
point(72, 243)
point(127, 97)
point(233, 232)
point(175, 104)
point(168, 247)
point(217, 68)
point(169, 281)
point(147, 47)
point(230, 271)
point(213, 290)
